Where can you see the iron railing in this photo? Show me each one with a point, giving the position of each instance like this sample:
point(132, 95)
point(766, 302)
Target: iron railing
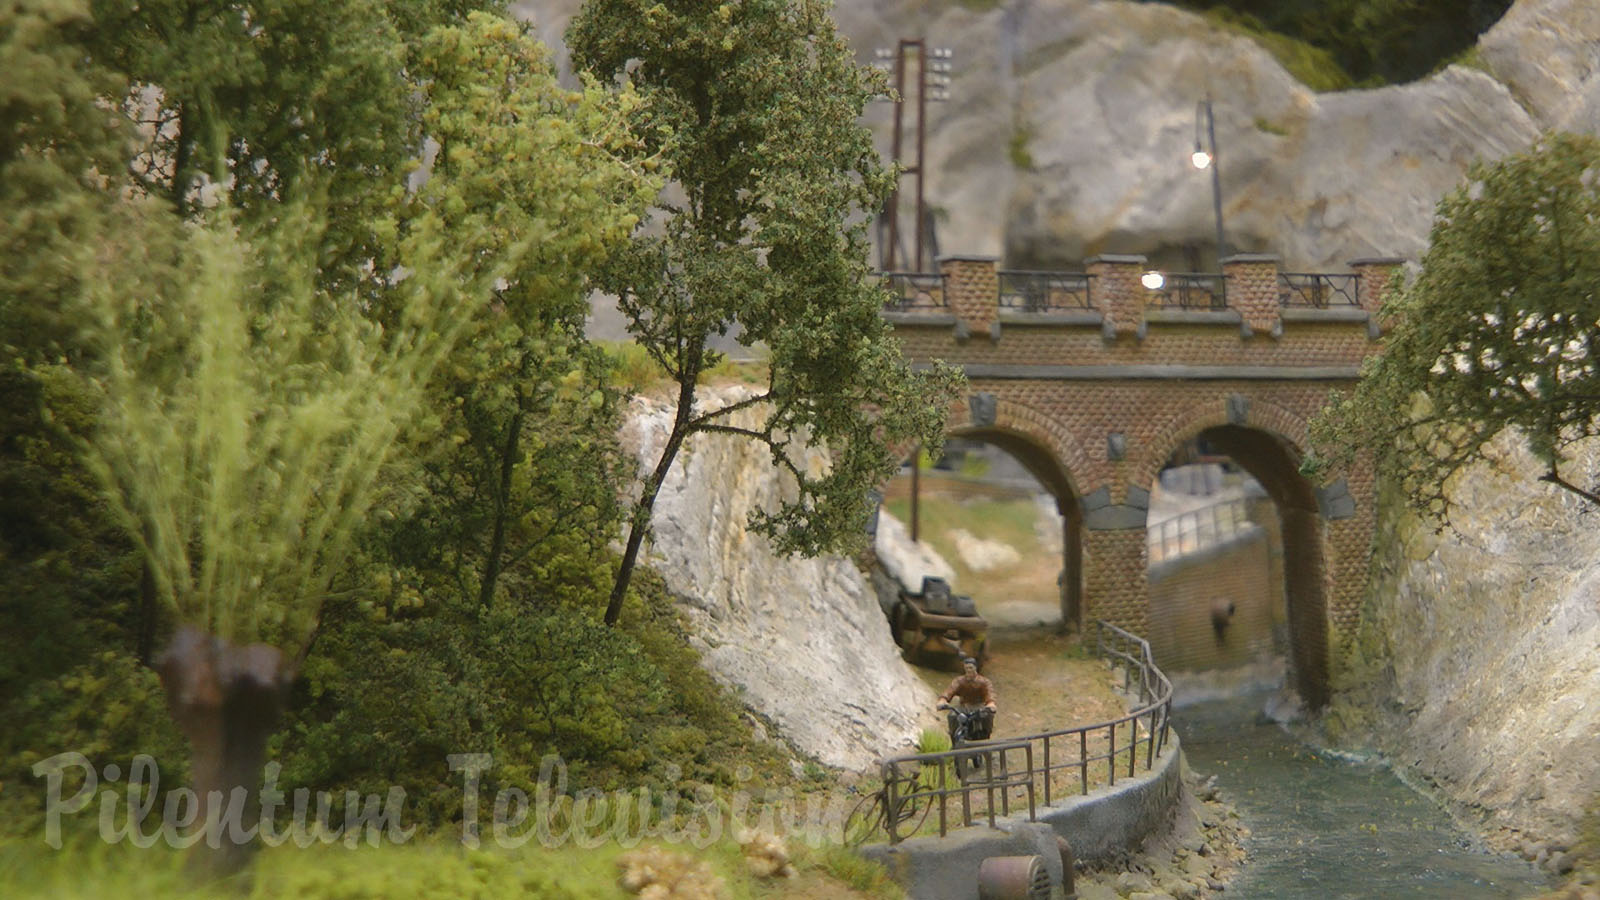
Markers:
point(1318, 291)
point(1192, 290)
point(1026, 770)
point(1028, 291)
point(913, 290)
point(1196, 529)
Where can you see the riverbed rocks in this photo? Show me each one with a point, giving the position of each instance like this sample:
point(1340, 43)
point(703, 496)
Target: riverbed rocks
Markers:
point(1194, 859)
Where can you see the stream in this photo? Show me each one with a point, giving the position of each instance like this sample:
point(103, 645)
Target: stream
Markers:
point(1327, 827)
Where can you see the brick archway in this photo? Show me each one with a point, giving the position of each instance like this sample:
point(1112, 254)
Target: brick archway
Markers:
point(1266, 440)
point(1097, 378)
point(1052, 455)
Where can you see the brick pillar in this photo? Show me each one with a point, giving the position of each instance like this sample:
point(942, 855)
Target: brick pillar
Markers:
point(1374, 274)
point(972, 291)
point(1253, 290)
point(1116, 585)
point(1117, 292)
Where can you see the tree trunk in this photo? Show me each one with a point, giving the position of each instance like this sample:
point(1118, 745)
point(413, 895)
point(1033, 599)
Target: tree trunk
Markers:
point(640, 524)
point(226, 700)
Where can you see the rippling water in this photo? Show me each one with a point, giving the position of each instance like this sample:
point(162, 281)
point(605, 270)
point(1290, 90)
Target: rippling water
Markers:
point(1324, 827)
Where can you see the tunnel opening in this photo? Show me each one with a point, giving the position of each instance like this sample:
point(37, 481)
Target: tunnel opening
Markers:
point(1001, 512)
point(1236, 561)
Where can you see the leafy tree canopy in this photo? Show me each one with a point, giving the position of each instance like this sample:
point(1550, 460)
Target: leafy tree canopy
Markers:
point(1501, 330)
point(754, 107)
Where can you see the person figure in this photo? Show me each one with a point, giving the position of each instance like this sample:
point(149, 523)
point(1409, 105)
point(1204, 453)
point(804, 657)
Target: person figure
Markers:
point(969, 692)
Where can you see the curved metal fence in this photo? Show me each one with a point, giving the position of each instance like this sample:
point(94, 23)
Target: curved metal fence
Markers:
point(981, 782)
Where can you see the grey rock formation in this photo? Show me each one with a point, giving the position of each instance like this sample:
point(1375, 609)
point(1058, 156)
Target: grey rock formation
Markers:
point(802, 640)
point(1071, 124)
point(1478, 665)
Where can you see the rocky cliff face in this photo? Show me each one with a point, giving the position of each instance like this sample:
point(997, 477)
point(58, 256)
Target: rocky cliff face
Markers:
point(1071, 124)
point(802, 640)
point(1478, 665)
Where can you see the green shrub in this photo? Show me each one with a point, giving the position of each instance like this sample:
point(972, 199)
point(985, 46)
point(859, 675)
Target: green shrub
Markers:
point(109, 708)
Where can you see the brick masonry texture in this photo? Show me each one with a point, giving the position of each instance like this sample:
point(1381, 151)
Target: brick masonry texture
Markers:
point(1069, 421)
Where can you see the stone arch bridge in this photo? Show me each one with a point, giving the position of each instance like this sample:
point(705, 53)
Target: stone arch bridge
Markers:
point(1094, 381)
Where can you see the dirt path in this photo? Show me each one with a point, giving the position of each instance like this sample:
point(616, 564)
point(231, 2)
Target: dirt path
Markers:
point(1043, 683)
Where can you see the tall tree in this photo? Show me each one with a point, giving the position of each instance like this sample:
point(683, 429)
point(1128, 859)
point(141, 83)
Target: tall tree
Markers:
point(1501, 330)
point(249, 403)
point(754, 106)
point(528, 472)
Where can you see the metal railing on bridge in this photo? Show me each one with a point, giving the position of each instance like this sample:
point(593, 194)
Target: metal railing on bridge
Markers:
point(1196, 529)
point(1311, 290)
point(981, 782)
point(1033, 291)
point(1191, 290)
point(913, 290)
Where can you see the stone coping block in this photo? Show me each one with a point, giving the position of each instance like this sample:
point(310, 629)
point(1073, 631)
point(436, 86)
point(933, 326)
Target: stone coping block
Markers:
point(1376, 261)
point(1117, 259)
point(942, 320)
point(1252, 258)
point(1091, 317)
point(1350, 314)
point(1228, 317)
point(967, 257)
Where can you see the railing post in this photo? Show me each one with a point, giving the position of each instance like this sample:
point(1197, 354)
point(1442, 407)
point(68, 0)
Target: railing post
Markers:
point(972, 291)
point(1117, 293)
point(1253, 290)
point(1372, 280)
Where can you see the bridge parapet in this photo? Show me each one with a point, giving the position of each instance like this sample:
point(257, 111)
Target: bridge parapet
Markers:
point(1251, 293)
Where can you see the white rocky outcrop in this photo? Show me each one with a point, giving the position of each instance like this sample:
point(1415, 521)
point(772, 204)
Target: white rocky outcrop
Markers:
point(803, 641)
point(1478, 663)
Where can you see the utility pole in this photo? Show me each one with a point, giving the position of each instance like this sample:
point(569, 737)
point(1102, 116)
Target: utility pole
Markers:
point(935, 88)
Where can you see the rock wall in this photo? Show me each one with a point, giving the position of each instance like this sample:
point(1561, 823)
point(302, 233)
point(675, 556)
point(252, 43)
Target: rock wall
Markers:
point(1478, 664)
point(1071, 122)
point(802, 640)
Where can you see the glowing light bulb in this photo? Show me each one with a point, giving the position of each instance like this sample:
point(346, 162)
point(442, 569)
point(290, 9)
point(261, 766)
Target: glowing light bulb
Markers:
point(1152, 280)
point(1201, 159)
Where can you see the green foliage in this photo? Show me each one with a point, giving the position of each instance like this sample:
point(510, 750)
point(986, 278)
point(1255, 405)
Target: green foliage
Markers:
point(109, 707)
point(853, 870)
point(1270, 127)
point(932, 740)
point(1498, 332)
point(518, 488)
point(1326, 43)
point(754, 110)
point(1017, 148)
point(1311, 65)
point(277, 98)
point(390, 690)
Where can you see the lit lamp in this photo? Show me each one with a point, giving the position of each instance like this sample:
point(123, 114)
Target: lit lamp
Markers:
point(1206, 158)
point(1152, 280)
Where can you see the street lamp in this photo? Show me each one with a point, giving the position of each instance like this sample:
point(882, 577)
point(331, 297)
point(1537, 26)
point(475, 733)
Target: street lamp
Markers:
point(1207, 159)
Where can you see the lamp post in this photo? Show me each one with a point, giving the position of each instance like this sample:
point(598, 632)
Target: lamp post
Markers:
point(1208, 160)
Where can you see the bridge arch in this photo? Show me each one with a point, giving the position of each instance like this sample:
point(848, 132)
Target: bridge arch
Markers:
point(1267, 441)
point(1051, 454)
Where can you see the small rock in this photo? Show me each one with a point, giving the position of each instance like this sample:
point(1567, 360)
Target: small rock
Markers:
point(1133, 882)
point(1561, 863)
point(1198, 865)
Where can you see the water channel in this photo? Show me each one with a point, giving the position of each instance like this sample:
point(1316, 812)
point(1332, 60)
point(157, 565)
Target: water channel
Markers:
point(1324, 827)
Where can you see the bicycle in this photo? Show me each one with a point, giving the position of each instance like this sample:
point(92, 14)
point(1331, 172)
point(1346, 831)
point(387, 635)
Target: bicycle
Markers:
point(872, 814)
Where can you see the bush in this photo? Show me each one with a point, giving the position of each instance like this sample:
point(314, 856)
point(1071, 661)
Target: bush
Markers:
point(109, 708)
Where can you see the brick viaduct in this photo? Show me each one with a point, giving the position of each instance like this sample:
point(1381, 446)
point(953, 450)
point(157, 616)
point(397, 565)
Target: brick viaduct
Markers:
point(1093, 381)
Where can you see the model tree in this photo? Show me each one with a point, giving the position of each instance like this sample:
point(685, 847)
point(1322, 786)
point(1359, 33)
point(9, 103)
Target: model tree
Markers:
point(1501, 330)
point(754, 109)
